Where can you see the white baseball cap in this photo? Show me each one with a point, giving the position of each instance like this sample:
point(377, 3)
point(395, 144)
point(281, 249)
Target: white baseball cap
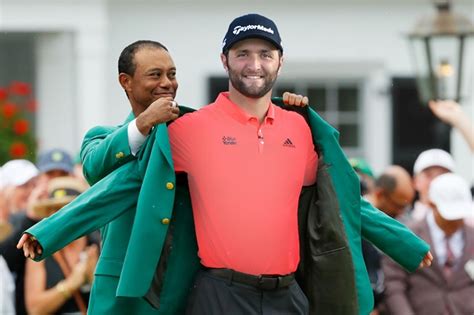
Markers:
point(17, 172)
point(433, 157)
point(452, 197)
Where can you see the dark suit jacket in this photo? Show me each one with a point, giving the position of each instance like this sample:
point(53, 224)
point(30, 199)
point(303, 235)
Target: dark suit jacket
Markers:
point(427, 291)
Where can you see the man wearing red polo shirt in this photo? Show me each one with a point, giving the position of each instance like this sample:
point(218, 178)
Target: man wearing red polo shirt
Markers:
point(247, 161)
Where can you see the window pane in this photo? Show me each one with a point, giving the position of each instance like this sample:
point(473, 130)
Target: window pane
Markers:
point(217, 85)
point(317, 98)
point(348, 99)
point(349, 135)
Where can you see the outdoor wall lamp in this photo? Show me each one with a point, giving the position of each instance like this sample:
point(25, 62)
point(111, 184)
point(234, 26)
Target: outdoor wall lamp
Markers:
point(443, 53)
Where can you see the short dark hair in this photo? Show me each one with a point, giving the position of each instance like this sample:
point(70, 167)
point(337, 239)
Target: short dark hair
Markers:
point(386, 182)
point(126, 63)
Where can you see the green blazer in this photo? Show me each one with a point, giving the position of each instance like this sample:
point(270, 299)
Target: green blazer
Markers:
point(149, 245)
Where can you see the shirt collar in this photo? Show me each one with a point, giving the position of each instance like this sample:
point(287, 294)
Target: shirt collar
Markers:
point(239, 114)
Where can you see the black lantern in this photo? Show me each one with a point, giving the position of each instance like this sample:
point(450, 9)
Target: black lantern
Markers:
point(442, 48)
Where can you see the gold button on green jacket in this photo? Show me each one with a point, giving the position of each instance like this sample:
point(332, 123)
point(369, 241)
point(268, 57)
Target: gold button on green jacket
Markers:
point(145, 262)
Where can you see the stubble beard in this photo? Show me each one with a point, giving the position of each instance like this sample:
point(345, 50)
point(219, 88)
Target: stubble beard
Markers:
point(252, 91)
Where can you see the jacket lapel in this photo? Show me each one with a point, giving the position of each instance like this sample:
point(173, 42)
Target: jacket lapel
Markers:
point(164, 144)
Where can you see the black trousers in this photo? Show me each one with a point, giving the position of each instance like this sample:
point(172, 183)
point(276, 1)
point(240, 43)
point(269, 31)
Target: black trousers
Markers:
point(212, 295)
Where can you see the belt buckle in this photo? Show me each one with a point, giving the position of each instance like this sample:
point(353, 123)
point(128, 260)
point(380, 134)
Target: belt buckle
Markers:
point(268, 283)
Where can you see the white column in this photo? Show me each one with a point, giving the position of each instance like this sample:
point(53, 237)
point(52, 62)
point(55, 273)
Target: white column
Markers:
point(55, 90)
point(90, 57)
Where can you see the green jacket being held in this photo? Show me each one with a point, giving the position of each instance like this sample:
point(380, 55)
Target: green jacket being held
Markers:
point(149, 243)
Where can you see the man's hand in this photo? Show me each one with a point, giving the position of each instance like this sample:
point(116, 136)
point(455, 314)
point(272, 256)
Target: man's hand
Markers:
point(30, 246)
point(426, 260)
point(295, 99)
point(451, 113)
point(160, 111)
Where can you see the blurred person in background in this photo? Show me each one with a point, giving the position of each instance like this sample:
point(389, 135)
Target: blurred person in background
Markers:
point(16, 262)
point(428, 165)
point(55, 163)
point(448, 286)
point(58, 285)
point(5, 226)
point(451, 113)
point(51, 164)
point(365, 173)
point(7, 289)
point(393, 193)
point(18, 179)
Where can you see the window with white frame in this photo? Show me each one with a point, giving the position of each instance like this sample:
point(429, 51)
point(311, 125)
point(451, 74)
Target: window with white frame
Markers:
point(336, 101)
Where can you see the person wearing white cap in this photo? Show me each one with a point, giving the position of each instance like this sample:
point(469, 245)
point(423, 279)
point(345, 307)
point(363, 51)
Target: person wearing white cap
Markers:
point(448, 286)
point(428, 165)
point(18, 180)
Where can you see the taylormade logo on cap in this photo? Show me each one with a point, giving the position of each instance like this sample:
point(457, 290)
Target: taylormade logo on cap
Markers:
point(251, 26)
point(239, 29)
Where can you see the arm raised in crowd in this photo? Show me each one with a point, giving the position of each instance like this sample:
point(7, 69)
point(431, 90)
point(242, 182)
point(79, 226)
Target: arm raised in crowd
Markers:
point(451, 113)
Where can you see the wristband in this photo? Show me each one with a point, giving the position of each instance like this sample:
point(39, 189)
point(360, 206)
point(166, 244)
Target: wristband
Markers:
point(63, 290)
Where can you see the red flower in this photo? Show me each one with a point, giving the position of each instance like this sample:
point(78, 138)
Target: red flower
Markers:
point(3, 94)
point(9, 109)
point(21, 126)
point(20, 88)
point(18, 150)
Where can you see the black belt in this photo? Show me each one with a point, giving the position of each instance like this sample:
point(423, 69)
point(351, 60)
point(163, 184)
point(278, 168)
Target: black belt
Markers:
point(262, 282)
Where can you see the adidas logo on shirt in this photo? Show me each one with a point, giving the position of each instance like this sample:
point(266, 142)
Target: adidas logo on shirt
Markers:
point(288, 143)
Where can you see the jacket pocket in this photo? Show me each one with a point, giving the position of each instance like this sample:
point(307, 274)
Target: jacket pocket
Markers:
point(108, 267)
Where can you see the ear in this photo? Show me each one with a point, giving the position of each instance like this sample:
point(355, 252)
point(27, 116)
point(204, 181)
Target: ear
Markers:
point(224, 62)
point(125, 81)
point(379, 193)
point(281, 65)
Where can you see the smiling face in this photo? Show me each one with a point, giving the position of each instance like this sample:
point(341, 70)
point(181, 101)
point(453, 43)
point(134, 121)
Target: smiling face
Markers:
point(154, 77)
point(253, 66)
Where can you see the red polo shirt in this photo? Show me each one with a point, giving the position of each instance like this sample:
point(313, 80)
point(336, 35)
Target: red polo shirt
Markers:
point(245, 180)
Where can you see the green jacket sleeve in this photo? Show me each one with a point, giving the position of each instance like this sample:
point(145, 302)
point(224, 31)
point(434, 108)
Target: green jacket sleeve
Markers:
point(103, 150)
point(100, 204)
point(392, 237)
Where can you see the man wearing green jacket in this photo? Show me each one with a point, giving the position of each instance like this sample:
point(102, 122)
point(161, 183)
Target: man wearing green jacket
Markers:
point(141, 64)
point(160, 256)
